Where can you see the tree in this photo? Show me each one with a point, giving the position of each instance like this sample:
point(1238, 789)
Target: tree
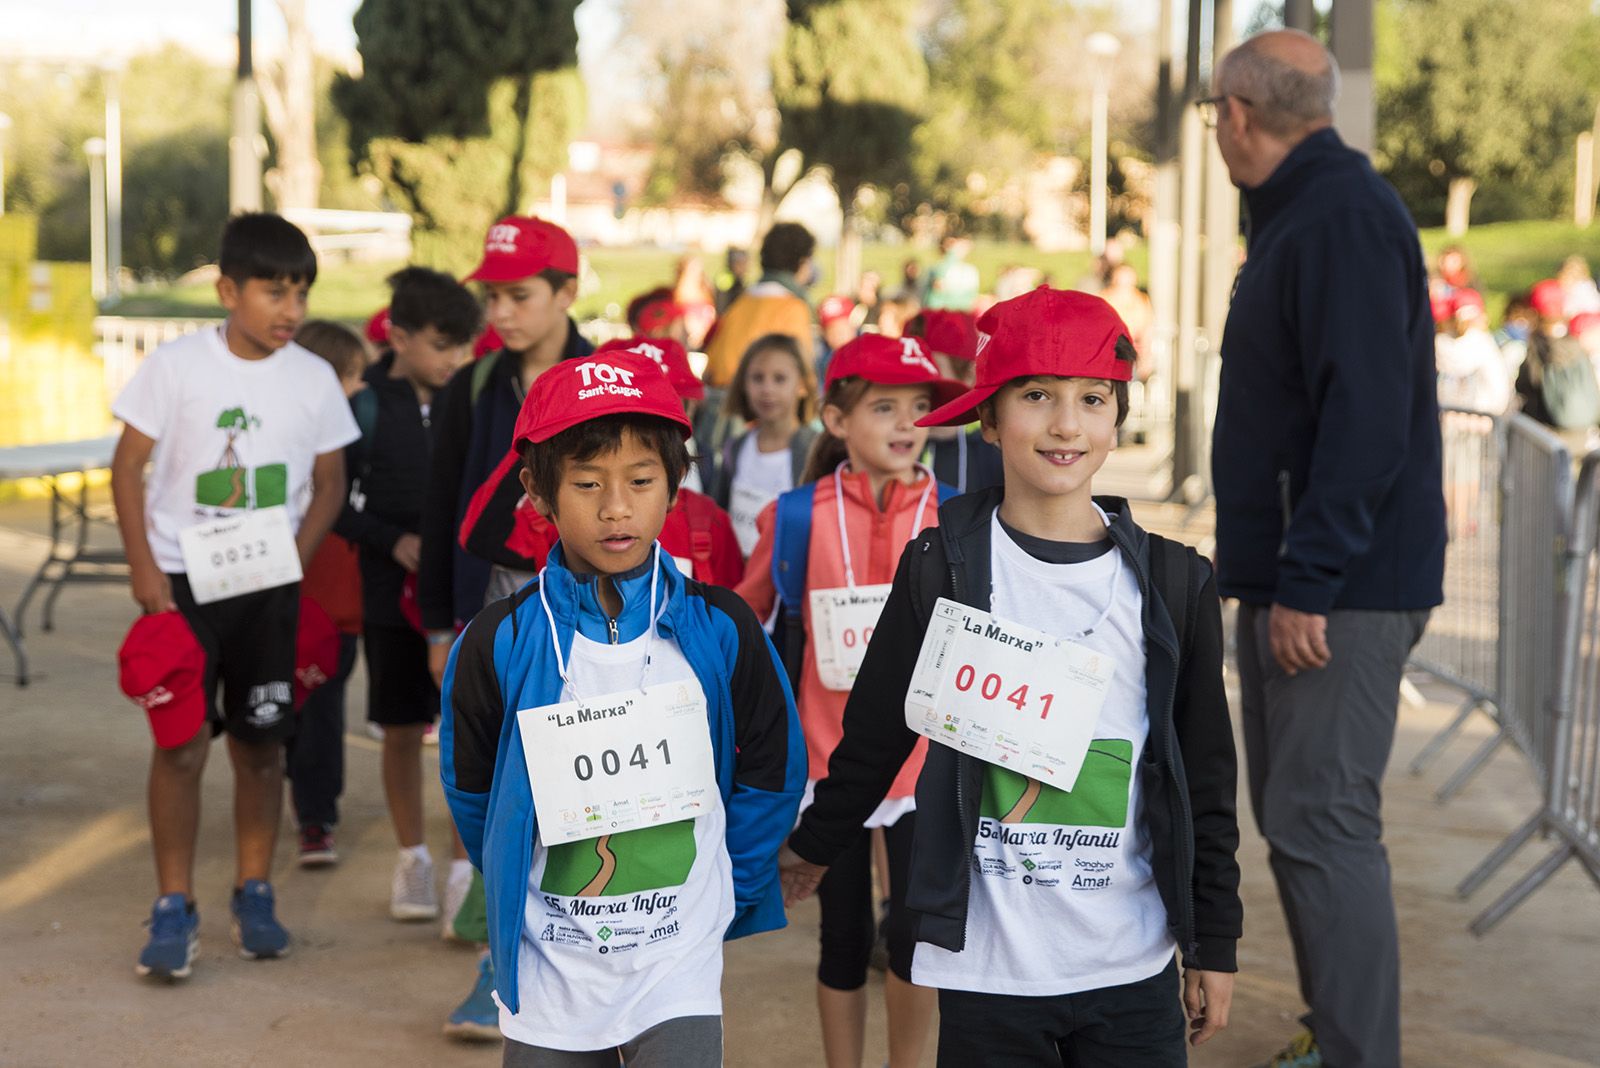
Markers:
point(468, 127)
point(289, 95)
point(1483, 98)
point(851, 86)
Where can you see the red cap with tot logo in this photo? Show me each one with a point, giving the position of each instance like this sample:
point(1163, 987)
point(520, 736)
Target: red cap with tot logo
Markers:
point(518, 247)
point(575, 391)
point(668, 355)
point(162, 669)
point(892, 361)
point(1047, 332)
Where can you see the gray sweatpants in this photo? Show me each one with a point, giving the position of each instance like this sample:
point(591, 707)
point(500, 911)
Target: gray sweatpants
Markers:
point(687, 1042)
point(1317, 745)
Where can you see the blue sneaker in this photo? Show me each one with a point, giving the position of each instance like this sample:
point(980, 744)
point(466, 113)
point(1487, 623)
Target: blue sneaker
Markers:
point(258, 932)
point(477, 1019)
point(174, 939)
point(1302, 1052)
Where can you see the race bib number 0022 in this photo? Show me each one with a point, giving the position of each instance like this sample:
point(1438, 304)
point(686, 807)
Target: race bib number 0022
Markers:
point(241, 554)
point(619, 762)
point(1007, 694)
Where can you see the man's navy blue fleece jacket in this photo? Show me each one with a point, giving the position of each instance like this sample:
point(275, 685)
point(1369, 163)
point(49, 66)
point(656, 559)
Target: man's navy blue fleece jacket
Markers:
point(504, 661)
point(1325, 455)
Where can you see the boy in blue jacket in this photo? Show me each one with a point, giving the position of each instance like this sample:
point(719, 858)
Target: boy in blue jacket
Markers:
point(619, 746)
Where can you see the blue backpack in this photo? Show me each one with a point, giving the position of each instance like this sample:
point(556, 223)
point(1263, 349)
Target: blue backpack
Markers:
point(791, 551)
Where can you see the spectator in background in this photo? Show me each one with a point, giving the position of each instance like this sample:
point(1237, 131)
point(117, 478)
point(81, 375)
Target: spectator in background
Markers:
point(838, 316)
point(1557, 383)
point(1124, 295)
point(895, 312)
point(1578, 291)
point(1472, 372)
point(910, 278)
point(952, 282)
point(1454, 268)
point(657, 314)
point(777, 304)
point(730, 283)
point(1586, 329)
point(1516, 326)
point(1016, 280)
point(692, 293)
point(868, 294)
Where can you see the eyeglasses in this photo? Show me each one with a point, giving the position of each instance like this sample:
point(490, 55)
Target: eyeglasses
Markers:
point(1211, 107)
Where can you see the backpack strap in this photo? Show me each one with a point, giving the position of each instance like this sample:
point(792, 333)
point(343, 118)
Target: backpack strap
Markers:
point(791, 548)
point(364, 406)
point(480, 375)
point(1173, 575)
point(946, 492)
point(699, 517)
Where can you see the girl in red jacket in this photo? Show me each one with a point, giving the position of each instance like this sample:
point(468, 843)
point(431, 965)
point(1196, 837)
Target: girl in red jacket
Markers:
point(825, 557)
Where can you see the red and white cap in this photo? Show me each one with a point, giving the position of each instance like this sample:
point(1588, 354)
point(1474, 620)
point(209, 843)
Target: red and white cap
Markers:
point(668, 355)
point(316, 643)
point(835, 308)
point(949, 333)
point(520, 247)
point(575, 391)
point(378, 327)
point(162, 668)
point(891, 361)
point(1056, 332)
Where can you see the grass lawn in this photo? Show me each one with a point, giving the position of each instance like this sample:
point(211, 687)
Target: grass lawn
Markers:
point(1508, 256)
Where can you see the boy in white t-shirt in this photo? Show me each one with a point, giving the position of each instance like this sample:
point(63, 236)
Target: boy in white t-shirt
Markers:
point(1039, 629)
point(619, 747)
point(244, 433)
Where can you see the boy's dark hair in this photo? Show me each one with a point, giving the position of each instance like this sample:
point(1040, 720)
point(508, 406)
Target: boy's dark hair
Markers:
point(546, 460)
point(555, 278)
point(259, 244)
point(786, 246)
point(421, 298)
point(1119, 390)
point(343, 348)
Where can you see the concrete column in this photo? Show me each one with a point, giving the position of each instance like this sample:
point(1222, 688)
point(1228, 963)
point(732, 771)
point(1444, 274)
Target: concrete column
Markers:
point(1222, 249)
point(1165, 232)
point(1188, 417)
point(1299, 15)
point(1350, 39)
point(244, 158)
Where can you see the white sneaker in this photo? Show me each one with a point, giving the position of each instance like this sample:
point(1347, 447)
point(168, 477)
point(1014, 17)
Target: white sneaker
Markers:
point(412, 895)
point(456, 888)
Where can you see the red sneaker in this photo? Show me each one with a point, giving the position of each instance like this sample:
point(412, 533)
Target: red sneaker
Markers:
point(316, 847)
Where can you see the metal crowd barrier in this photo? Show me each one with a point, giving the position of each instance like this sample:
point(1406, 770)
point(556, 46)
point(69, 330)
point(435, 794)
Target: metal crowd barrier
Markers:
point(1569, 734)
point(1508, 495)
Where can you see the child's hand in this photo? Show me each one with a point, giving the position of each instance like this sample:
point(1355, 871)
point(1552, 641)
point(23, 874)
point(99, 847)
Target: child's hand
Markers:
point(1207, 997)
point(438, 655)
point(407, 552)
point(798, 877)
point(152, 590)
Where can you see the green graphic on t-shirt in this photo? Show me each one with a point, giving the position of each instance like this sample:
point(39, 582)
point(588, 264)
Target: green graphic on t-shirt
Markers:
point(615, 865)
point(228, 486)
point(1098, 799)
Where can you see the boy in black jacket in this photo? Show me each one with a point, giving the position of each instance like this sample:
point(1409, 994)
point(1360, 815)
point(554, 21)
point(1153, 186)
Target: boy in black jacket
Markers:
point(433, 320)
point(1058, 642)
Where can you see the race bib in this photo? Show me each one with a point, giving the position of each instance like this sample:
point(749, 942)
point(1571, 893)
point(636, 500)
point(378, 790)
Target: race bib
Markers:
point(744, 505)
point(1008, 694)
point(250, 551)
point(619, 762)
point(842, 621)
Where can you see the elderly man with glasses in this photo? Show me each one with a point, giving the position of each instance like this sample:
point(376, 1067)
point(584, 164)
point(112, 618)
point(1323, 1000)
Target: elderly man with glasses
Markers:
point(1330, 520)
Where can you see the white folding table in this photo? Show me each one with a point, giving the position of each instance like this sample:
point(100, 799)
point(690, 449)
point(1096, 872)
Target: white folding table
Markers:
point(70, 559)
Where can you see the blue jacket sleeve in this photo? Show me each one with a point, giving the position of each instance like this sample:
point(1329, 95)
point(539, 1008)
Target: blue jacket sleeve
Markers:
point(769, 775)
point(472, 711)
point(1358, 281)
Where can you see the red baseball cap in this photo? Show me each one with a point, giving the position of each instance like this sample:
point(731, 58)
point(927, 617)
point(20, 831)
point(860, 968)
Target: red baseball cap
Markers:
point(575, 391)
point(949, 333)
point(835, 308)
point(1547, 298)
point(488, 341)
point(892, 361)
point(1058, 332)
point(378, 327)
point(668, 355)
point(658, 314)
point(1583, 322)
point(316, 650)
point(520, 247)
point(162, 668)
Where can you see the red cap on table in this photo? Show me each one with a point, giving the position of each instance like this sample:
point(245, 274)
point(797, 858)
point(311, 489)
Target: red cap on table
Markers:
point(520, 247)
point(1058, 332)
point(316, 657)
point(891, 361)
point(162, 668)
point(575, 391)
point(668, 355)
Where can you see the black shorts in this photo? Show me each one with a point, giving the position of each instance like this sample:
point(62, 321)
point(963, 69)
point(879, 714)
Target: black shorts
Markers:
point(250, 654)
point(400, 689)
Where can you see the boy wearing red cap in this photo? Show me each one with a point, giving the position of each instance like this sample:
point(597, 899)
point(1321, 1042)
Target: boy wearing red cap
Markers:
point(244, 434)
point(1076, 822)
point(959, 455)
point(529, 274)
point(619, 746)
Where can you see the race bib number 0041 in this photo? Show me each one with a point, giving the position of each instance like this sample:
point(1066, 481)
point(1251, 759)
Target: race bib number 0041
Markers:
point(1007, 694)
point(243, 553)
point(842, 621)
point(619, 762)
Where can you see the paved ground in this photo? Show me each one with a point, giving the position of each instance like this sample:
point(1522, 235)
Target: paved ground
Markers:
point(75, 883)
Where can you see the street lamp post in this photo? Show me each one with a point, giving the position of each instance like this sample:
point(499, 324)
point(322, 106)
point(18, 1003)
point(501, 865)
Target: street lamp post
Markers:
point(1103, 47)
point(95, 149)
